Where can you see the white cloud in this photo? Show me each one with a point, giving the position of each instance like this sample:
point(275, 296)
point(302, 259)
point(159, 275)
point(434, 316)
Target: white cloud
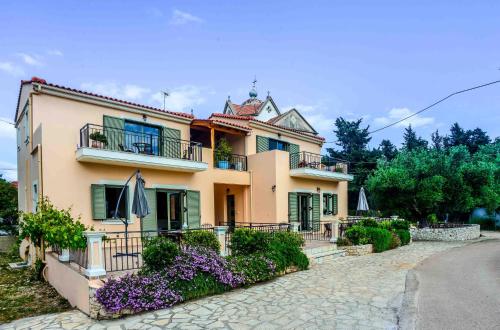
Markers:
point(181, 18)
point(7, 130)
point(127, 92)
point(11, 69)
point(55, 52)
point(30, 59)
point(396, 114)
point(8, 171)
point(182, 98)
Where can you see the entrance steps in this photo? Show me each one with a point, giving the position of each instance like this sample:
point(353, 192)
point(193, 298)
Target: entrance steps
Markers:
point(318, 253)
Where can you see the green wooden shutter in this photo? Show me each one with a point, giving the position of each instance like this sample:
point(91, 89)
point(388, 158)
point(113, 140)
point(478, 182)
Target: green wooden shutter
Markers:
point(262, 143)
point(171, 143)
point(316, 211)
point(114, 130)
point(294, 150)
point(293, 208)
point(98, 199)
point(193, 209)
point(335, 206)
point(149, 222)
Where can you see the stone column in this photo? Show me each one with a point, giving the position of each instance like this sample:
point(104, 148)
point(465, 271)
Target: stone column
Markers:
point(95, 261)
point(64, 256)
point(294, 226)
point(335, 231)
point(220, 232)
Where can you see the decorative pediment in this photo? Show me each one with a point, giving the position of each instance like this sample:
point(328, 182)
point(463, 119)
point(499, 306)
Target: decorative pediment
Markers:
point(294, 120)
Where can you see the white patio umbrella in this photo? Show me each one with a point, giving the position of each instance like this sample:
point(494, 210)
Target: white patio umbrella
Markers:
point(362, 202)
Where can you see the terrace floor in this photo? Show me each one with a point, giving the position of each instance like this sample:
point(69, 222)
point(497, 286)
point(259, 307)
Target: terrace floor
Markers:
point(350, 292)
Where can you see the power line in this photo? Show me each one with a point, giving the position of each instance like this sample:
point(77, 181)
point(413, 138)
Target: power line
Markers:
point(6, 121)
point(430, 106)
point(436, 103)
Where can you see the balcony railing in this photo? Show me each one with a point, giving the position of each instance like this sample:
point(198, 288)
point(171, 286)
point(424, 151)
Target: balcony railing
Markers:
point(116, 139)
point(233, 162)
point(306, 159)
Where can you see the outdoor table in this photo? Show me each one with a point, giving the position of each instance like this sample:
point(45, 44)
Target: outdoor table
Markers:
point(143, 147)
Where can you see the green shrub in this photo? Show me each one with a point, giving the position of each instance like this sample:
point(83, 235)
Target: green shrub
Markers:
point(395, 241)
point(386, 224)
point(201, 238)
point(248, 241)
point(357, 235)
point(254, 268)
point(282, 247)
point(484, 223)
point(400, 224)
point(202, 284)
point(404, 236)
point(342, 241)
point(158, 253)
point(368, 222)
point(380, 238)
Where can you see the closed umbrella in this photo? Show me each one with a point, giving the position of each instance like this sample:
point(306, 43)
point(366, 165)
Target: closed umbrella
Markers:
point(140, 206)
point(362, 202)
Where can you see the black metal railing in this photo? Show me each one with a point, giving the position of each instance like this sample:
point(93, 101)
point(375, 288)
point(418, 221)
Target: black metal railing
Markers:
point(321, 231)
point(116, 139)
point(122, 252)
point(306, 159)
point(233, 162)
point(76, 256)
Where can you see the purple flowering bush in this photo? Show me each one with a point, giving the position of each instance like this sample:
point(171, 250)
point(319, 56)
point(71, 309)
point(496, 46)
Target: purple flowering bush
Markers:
point(195, 272)
point(137, 293)
point(254, 267)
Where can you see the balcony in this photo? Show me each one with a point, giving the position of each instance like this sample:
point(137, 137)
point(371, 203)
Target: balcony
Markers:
point(314, 166)
point(233, 162)
point(108, 145)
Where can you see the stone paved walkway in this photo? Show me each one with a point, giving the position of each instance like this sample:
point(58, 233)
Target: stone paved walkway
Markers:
point(346, 293)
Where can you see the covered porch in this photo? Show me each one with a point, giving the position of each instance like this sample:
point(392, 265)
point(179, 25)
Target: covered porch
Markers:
point(231, 204)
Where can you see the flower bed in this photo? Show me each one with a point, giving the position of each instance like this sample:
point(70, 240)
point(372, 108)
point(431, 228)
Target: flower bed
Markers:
point(197, 271)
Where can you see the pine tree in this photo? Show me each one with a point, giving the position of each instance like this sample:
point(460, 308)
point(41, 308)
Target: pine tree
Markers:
point(411, 141)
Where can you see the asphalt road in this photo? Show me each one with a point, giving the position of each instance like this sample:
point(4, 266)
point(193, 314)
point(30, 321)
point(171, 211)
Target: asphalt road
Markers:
point(460, 289)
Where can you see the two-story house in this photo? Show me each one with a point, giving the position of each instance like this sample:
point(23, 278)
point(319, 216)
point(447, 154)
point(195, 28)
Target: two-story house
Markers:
point(78, 149)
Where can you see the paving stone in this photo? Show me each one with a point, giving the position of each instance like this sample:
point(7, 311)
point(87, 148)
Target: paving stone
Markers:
point(351, 292)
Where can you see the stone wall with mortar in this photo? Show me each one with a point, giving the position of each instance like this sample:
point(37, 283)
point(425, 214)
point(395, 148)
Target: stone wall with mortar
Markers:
point(6, 243)
point(467, 232)
point(357, 250)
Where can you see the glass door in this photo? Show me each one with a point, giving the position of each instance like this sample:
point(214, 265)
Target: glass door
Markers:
point(142, 138)
point(175, 210)
point(304, 208)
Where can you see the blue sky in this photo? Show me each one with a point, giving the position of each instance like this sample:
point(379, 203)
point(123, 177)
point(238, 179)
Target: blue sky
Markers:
point(326, 58)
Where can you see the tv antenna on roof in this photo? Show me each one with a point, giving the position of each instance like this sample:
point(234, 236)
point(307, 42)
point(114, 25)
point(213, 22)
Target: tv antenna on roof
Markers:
point(165, 94)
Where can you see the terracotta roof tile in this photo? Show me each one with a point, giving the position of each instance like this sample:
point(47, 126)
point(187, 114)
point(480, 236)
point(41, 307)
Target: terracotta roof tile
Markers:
point(44, 82)
point(320, 138)
point(246, 109)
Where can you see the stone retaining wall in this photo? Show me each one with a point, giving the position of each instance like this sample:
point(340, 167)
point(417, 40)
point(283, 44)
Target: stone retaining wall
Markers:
point(467, 232)
point(357, 250)
point(6, 243)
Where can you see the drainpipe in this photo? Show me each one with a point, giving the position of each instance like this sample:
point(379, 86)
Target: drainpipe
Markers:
point(251, 194)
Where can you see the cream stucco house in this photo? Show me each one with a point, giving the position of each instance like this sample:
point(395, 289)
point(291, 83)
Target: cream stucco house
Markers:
point(78, 149)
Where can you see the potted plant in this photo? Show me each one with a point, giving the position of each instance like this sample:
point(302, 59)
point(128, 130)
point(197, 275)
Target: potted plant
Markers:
point(98, 139)
point(223, 153)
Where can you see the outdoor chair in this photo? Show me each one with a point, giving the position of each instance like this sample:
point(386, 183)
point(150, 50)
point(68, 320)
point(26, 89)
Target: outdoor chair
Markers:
point(328, 230)
point(122, 148)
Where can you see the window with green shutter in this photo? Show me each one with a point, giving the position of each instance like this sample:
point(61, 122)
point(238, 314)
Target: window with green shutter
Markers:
point(104, 199)
point(330, 204)
point(293, 207)
point(114, 130)
point(316, 211)
point(149, 223)
point(262, 143)
point(193, 209)
point(335, 202)
point(171, 142)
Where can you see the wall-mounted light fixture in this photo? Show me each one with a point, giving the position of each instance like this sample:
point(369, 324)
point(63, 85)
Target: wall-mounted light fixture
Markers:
point(279, 135)
point(144, 117)
point(273, 188)
point(227, 191)
point(318, 190)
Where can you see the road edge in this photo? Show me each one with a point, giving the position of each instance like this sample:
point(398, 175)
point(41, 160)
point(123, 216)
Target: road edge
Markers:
point(407, 317)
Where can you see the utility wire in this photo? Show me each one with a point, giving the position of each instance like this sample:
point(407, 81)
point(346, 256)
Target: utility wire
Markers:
point(436, 103)
point(430, 106)
point(6, 121)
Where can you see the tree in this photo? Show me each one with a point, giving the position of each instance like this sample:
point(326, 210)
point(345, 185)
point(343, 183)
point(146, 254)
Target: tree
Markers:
point(8, 202)
point(457, 137)
point(411, 141)
point(476, 139)
point(353, 140)
point(437, 140)
point(388, 150)
point(418, 183)
point(472, 139)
